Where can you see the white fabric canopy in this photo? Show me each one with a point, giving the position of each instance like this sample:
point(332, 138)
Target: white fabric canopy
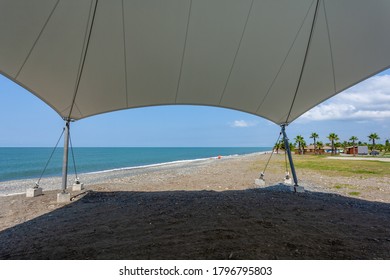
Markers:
point(272, 58)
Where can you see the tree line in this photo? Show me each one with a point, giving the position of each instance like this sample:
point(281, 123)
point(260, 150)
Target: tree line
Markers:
point(335, 143)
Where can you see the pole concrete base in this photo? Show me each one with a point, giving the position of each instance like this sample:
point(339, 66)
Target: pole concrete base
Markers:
point(33, 192)
point(260, 182)
point(297, 189)
point(63, 197)
point(78, 187)
point(288, 181)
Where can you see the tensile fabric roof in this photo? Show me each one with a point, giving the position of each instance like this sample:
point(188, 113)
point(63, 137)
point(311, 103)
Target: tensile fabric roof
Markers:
point(272, 58)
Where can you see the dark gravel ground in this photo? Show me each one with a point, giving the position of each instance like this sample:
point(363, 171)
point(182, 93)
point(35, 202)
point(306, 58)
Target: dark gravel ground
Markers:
point(269, 223)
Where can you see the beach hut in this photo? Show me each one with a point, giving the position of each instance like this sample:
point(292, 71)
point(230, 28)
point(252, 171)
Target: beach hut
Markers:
point(310, 150)
point(273, 59)
point(351, 150)
point(327, 149)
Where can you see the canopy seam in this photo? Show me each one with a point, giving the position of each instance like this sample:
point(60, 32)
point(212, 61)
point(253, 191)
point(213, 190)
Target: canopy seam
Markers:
point(330, 48)
point(83, 56)
point(285, 58)
point(304, 60)
point(236, 54)
point(85, 40)
point(124, 53)
point(77, 107)
point(184, 51)
point(37, 39)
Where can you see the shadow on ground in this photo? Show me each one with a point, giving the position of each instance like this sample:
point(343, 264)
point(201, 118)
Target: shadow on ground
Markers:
point(251, 224)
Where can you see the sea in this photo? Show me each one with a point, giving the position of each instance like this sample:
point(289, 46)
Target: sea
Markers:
point(28, 163)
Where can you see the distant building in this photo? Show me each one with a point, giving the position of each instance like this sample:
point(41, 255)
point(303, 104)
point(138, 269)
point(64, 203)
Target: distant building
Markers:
point(309, 150)
point(328, 150)
point(350, 150)
point(359, 150)
point(362, 150)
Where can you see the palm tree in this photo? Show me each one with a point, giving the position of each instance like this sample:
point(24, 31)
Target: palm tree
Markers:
point(314, 136)
point(353, 139)
point(373, 137)
point(337, 145)
point(292, 146)
point(320, 145)
point(279, 145)
point(344, 144)
point(332, 138)
point(301, 142)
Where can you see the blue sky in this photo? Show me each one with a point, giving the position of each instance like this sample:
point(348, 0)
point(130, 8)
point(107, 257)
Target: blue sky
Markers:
point(26, 121)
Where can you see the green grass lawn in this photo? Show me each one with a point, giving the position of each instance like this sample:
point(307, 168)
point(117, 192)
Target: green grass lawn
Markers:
point(342, 167)
point(330, 167)
point(320, 164)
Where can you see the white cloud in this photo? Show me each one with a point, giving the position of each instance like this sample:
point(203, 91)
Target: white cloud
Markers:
point(242, 123)
point(369, 100)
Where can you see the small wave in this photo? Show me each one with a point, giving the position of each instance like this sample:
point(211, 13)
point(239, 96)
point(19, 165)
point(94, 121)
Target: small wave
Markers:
point(150, 165)
point(170, 163)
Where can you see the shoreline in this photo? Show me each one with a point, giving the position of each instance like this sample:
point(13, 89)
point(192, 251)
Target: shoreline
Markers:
point(29, 163)
point(17, 187)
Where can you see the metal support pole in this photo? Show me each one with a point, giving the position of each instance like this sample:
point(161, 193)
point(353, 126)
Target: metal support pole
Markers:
point(287, 147)
point(65, 158)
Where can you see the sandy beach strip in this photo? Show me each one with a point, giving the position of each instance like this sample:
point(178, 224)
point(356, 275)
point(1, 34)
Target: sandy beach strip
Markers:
point(15, 187)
